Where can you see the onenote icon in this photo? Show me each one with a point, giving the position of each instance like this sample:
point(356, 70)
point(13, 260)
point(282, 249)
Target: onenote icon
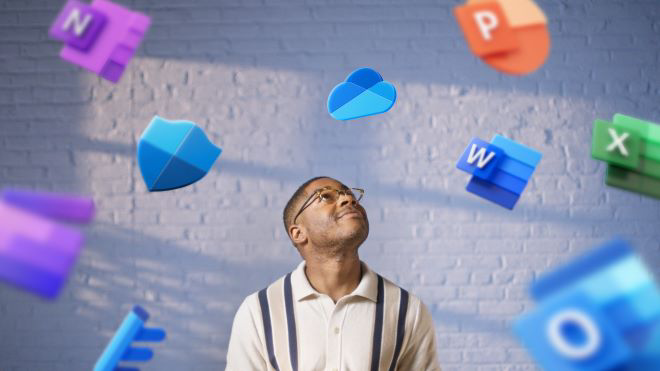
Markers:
point(631, 149)
point(598, 312)
point(510, 35)
point(500, 169)
point(174, 154)
point(37, 252)
point(101, 37)
point(119, 349)
point(364, 93)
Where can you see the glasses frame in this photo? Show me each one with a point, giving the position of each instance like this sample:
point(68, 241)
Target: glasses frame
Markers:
point(317, 193)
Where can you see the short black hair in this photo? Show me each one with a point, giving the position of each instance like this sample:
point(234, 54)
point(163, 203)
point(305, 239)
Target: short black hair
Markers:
point(290, 209)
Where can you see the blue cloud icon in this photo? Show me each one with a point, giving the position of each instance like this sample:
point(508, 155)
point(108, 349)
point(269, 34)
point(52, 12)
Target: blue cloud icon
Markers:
point(174, 154)
point(364, 93)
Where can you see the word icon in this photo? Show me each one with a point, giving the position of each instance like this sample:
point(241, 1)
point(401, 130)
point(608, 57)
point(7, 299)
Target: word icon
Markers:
point(500, 169)
point(598, 312)
point(631, 148)
point(174, 154)
point(119, 349)
point(36, 252)
point(100, 37)
point(364, 93)
point(510, 35)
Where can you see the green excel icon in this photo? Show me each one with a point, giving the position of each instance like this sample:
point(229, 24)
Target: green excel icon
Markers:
point(631, 148)
point(615, 145)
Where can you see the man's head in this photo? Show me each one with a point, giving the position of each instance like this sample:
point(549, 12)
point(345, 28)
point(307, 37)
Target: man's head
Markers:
point(329, 219)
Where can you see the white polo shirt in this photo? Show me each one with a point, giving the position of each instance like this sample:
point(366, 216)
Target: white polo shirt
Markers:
point(346, 336)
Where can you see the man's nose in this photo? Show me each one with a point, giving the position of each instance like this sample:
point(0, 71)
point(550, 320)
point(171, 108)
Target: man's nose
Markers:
point(345, 198)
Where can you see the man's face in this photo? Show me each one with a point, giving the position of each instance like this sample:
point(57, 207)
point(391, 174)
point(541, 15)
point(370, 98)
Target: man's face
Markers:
point(339, 223)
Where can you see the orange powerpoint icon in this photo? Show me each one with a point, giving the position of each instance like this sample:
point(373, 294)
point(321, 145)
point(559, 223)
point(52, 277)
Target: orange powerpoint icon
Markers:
point(510, 35)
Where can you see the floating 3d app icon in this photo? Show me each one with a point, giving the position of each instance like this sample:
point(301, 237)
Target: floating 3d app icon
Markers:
point(599, 312)
point(37, 252)
point(500, 169)
point(119, 349)
point(364, 93)
point(631, 149)
point(510, 35)
point(101, 37)
point(174, 154)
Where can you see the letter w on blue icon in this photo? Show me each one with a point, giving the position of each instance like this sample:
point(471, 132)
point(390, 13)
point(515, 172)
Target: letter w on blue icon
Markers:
point(599, 312)
point(500, 169)
point(174, 154)
point(119, 349)
point(364, 93)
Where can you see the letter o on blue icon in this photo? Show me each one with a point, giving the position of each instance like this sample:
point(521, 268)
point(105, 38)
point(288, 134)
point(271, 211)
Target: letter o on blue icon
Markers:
point(579, 322)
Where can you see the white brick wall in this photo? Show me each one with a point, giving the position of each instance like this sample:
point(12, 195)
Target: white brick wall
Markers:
point(256, 74)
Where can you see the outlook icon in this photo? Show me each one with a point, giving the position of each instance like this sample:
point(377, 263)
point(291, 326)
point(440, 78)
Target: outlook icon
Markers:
point(599, 312)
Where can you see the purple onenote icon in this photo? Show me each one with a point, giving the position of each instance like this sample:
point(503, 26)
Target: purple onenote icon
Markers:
point(113, 45)
point(78, 25)
point(37, 253)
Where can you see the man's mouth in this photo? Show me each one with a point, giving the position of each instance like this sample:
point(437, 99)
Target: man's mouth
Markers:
point(350, 213)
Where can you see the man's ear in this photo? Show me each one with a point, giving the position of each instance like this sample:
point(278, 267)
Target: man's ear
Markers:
point(298, 234)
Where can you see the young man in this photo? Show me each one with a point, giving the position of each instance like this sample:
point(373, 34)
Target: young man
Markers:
point(332, 313)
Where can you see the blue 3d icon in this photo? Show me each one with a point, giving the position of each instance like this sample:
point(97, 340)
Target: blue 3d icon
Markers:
point(119, 349)
point(599, 312)
point(174, 154)
point(500, 169)
point(364, 93)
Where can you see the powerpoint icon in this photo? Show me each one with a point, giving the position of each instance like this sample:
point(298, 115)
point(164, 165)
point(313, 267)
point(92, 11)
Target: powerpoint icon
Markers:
point(510, 35)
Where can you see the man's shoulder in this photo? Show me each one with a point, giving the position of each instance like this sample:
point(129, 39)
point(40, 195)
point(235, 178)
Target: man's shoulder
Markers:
point(413, 300)
point(252, 300)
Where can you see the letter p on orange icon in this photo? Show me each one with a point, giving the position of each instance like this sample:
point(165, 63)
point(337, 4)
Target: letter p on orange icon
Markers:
point(486, 28)
point(510, 35)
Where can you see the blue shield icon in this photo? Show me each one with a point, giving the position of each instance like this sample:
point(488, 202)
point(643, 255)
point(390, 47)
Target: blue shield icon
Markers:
point(174, 154)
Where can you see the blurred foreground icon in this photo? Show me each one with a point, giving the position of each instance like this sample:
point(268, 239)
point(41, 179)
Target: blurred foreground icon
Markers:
point(599, 312)
point(510, 35)
point(364, 93)
point(500, 169)
point(631, 148)
point(174, 154)
point(36, 252)
point(119, 349)
point(101, 37)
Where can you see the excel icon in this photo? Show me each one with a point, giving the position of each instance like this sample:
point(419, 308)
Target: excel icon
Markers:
point(631, 148)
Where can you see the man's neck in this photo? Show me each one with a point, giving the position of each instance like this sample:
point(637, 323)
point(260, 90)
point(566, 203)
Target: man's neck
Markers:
point(336, 276)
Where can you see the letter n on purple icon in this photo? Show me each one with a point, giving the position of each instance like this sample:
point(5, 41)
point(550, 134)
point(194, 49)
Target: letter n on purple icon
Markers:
point(78, 25)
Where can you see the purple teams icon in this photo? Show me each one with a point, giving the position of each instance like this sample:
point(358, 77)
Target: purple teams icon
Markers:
point(36, 252)
point(101, 37)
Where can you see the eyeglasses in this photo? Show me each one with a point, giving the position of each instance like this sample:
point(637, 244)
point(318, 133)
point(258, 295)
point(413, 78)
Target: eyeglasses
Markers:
point(329, 196)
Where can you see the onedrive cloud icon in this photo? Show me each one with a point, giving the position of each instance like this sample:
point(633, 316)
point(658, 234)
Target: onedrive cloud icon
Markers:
point(174, 154)
point(364, 93)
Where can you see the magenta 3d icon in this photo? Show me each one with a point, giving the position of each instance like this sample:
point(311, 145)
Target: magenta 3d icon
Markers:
point(101, 37)
point(36, 252)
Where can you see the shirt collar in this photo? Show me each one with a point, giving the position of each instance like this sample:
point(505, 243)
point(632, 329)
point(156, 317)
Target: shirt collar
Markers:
point(302, 289)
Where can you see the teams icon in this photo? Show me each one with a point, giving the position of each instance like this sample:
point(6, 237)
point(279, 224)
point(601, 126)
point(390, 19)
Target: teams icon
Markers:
point(174, 154)
point(500, 169)
point(598, 312)
point(631, 149)
point(364, 93)
point(37, 252)
point(100, 37)
point(119, 349)
point(510, 35)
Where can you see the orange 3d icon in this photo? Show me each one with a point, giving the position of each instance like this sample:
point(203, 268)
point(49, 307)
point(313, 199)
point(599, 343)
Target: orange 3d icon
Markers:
point(510, 35)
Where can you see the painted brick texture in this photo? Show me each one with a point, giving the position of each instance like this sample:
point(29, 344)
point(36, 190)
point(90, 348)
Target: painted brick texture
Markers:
point(255, 75)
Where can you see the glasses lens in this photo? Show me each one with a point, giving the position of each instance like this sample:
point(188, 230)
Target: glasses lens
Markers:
point(328, 196)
